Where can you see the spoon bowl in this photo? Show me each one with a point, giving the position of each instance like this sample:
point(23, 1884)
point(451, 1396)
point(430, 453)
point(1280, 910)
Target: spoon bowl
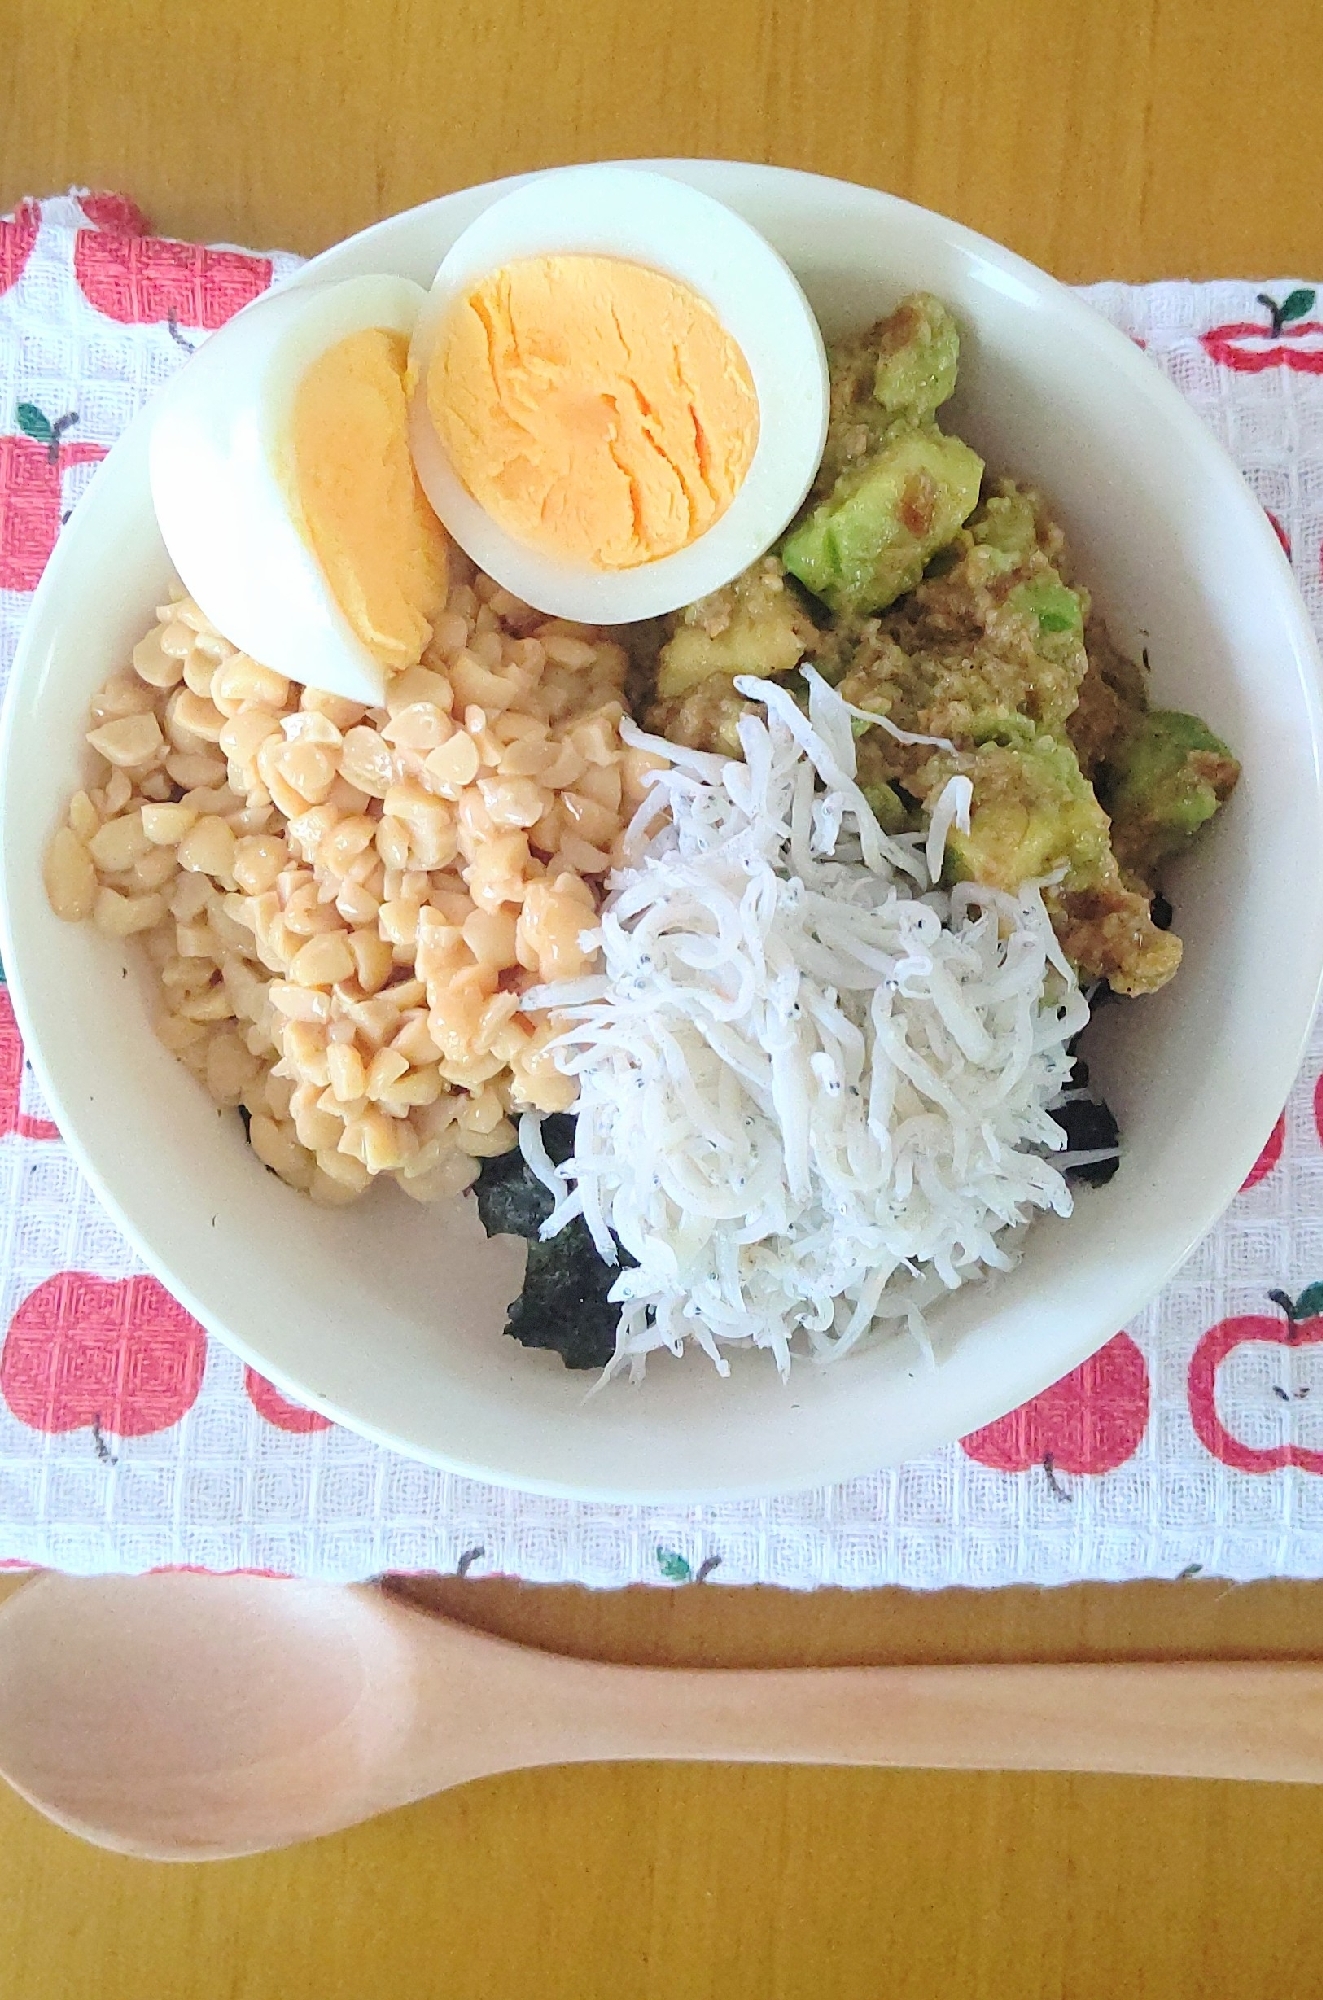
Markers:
point(145, 1716)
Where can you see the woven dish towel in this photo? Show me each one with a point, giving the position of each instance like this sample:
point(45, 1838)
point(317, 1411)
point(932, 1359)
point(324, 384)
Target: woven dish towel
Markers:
point(1192, 1442)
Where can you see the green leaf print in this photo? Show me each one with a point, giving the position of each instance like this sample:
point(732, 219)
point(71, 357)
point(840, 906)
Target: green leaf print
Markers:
point(34, 423)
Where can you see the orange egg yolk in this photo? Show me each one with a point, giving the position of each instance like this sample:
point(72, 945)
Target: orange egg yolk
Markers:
point(383, 551)
point(598, 410)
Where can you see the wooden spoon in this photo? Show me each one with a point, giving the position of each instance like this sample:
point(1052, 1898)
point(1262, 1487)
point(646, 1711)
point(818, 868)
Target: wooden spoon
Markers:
point(188, 1718)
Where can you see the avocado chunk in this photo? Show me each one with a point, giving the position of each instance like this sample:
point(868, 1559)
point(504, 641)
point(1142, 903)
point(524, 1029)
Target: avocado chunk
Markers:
point(1162, 785)
point(884, 520)
point(896, 374)
point(1055, 606)
point(1107, 932)
point(754, 625)
point(889, 809)
point(1033, 813)
point(1006, 523)
point(918, 353)
point(1052, 615)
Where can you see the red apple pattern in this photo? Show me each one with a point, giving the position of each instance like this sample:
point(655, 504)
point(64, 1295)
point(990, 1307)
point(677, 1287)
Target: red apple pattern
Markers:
point(13, 1118)
point(1280, 533)
point(1092, 1420)
point(267, 1400)
point(1289, 340)
point(120, 1356)
point(32, 469)
point(17, 239)
point(1268, 1158)
point(1299, 1323)
point(142, 279)
point(114, 213)
point(196, 1569)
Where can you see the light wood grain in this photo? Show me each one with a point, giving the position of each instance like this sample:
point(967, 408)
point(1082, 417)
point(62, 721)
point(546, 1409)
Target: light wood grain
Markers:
point(1136, 139)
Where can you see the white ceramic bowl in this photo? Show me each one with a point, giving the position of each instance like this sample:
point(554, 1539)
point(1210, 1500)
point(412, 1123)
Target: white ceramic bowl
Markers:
point(387, 1316)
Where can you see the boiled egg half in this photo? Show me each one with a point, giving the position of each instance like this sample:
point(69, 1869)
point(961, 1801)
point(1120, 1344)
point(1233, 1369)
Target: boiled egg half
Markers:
point(285, 491)
point(619, 393)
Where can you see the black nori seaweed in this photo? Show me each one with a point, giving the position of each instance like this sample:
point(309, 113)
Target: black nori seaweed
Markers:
point(1089, 1127)
point(1096, 1175)
point(512, 1200)
point(563, 1305)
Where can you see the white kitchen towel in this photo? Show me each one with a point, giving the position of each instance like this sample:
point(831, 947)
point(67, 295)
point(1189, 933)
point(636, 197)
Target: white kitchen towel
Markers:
point(1193, 1442)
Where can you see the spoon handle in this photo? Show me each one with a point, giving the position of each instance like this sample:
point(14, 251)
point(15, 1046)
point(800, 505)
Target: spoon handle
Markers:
point(1198, 1720)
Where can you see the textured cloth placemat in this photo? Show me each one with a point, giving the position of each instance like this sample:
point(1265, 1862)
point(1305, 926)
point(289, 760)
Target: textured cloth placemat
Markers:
point(1194, 1441)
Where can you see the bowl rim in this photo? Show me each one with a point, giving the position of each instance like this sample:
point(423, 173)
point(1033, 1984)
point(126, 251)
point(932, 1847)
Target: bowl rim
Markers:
point(724, 179)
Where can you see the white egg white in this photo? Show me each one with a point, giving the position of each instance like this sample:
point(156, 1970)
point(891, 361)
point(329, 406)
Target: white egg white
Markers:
point(220, 473)
point(646, 217)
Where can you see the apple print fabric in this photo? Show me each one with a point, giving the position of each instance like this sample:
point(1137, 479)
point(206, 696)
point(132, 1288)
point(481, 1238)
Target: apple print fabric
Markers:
point(1193, 1442)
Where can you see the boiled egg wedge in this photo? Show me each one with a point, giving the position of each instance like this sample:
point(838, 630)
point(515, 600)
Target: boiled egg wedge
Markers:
point(619, 393)
point(285, 491)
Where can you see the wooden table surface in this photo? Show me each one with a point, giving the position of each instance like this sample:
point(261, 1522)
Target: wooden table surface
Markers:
point(1102, 138)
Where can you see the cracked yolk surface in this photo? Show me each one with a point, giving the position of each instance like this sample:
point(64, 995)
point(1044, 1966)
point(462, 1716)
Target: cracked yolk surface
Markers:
point(598, 410)
point(380, 545)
